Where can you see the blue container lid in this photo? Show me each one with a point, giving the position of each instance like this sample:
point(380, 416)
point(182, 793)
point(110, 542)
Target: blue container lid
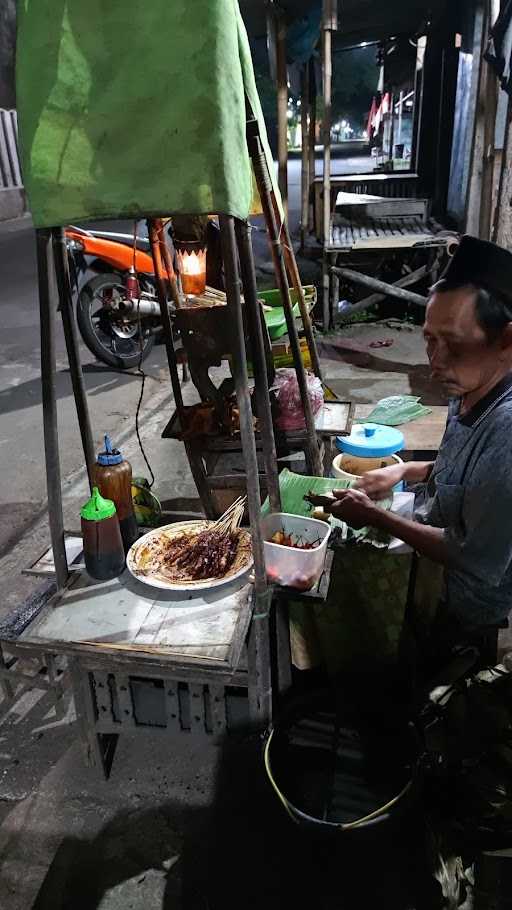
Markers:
point(110, 455)
point(371, 440)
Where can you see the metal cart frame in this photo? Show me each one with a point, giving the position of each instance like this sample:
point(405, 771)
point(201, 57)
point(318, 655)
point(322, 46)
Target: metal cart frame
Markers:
point(101, 678)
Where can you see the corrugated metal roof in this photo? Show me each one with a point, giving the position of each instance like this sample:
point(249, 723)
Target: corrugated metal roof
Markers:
point(359, 20)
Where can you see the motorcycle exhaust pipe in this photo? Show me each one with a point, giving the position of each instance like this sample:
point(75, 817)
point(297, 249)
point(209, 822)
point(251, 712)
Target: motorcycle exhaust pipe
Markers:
point(140, 307)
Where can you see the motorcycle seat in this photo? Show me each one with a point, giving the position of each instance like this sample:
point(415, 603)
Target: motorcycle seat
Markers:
point(126, 239)
point(117, 237)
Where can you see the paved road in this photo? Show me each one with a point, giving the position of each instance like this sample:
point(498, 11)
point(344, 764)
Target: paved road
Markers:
point(113, 395)
point(355, 164)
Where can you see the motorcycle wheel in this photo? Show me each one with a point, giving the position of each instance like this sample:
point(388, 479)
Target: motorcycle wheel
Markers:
point(112, 339)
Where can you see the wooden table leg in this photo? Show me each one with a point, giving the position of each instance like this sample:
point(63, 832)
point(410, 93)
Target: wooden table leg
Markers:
point(56, 684)
point(200, 479)
point(258, 649)
point(283, 647)
point(327, 455)
point(99, 747)
point(5, 685)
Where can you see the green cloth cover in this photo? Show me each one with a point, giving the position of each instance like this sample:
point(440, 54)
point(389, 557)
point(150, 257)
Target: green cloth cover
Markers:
point(129, 108)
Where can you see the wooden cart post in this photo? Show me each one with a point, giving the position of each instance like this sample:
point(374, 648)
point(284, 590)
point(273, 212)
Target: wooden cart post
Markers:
point(293, 272)
point(167, 261)
point(265, 190)
point(304, 168)
point(282, 108)
point(329, 24)
point(312, 144)
point(261, 380)
point(156, 238)
point(47, 307)
point(171, 279)
point(260, 693)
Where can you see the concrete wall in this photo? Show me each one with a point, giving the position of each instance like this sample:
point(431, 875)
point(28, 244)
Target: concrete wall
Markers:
point(504, 237)
point(7, 52)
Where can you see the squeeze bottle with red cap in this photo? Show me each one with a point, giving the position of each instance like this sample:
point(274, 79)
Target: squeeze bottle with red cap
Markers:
point(103, 547)
point(112, 474)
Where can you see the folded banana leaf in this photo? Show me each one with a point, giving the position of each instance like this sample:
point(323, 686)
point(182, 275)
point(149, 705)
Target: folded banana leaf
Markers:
point(398, 409)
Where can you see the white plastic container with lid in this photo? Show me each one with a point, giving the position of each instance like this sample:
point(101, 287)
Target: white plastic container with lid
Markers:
point(369, 446)
point(287, 566)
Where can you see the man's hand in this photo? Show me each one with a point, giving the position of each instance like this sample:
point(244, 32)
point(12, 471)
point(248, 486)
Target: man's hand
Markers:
point(353, 507)
point(378, 484)
point(359, 511)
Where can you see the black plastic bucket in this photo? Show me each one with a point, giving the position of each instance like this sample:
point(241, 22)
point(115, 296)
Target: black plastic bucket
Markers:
point(335, 772)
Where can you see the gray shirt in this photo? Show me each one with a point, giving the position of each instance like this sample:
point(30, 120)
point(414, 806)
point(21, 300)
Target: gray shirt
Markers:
point(469, 495)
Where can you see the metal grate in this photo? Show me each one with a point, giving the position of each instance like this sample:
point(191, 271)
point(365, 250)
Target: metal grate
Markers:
point(123, 703)
point(10, 171)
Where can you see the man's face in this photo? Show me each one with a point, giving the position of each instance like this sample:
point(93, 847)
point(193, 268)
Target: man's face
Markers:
point(460, 354)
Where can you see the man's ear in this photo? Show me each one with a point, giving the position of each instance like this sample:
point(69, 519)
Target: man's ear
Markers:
point(506, 338)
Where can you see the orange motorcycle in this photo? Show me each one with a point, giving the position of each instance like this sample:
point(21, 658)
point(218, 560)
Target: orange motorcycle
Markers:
point(117, 308)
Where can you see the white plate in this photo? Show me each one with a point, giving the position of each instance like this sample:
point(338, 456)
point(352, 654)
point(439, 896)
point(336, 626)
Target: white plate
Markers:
point(172, 530)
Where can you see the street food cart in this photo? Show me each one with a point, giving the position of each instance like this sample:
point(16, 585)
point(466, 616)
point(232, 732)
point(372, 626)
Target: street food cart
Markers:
point(186, 141)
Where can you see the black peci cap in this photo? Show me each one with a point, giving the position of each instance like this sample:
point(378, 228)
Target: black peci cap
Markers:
point(482, 264)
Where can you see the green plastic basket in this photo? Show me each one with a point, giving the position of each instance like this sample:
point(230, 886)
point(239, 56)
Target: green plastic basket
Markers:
point(275, 318)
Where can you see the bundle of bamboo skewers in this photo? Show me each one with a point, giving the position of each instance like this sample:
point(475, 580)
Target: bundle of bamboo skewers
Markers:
point(212, 297)
point(232, 518)
point(211, 552)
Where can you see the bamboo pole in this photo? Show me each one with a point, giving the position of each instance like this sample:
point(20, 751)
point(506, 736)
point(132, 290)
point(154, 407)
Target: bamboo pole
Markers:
point(167, 261)
point(382, 287)
point(171, 278)
point(293, 272)
point(265, 191)
point(282, 110)
point(312, 144)
point(392, 129)
point(304, 170)
point(489, 156)
point(409, 279)
point(154, 240)
point(326, 131)
point(491, 111)
point(329, 22)
point(474, 190)
point(400, 116)
point(498, 233)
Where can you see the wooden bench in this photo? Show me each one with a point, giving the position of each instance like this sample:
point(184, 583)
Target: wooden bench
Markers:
point(396, 185)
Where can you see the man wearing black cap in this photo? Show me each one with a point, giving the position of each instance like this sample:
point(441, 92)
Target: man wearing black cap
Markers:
point(463, 514)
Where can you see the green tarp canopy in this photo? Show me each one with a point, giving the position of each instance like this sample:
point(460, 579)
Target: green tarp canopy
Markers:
point(131, 108)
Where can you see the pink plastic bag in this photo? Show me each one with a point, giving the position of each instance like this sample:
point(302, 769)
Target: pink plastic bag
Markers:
point(291, 411)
